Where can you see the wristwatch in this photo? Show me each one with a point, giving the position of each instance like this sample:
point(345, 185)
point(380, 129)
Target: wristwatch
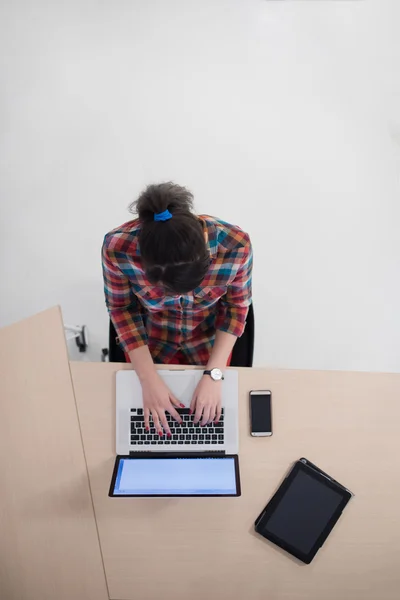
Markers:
point(215, 374)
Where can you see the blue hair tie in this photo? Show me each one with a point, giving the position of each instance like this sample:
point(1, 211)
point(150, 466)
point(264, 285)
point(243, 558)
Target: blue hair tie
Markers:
point(163, 216)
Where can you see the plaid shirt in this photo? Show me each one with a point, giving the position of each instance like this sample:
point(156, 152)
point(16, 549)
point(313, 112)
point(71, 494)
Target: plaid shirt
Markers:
point(143, 314)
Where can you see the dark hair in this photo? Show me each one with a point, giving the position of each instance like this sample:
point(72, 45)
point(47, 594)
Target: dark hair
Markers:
point(174, 252)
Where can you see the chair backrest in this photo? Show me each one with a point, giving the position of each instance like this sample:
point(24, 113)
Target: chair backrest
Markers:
point(242, 353)
point(116, 353)
point(243, 350)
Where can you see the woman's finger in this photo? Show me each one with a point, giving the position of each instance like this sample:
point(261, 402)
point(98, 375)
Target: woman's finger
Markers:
point(174, 414)
point(156, 421)
point(206, 416)
point(212, 414)
point(193, 404)
point(199, 412)
point(175, 401)
point(147, 419)
point(164, 422)
point(219, 412)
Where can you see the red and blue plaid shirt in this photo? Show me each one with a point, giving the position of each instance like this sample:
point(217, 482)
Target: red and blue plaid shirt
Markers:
point(143, 314)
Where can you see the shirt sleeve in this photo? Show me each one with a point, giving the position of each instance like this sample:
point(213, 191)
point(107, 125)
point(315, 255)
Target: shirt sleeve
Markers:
point(234, 305)
point(122, 304)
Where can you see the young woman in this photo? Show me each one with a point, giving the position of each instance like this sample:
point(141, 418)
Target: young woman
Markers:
point(178, 288)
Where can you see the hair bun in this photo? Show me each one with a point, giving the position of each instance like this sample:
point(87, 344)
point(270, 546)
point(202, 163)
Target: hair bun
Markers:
point(158, 198)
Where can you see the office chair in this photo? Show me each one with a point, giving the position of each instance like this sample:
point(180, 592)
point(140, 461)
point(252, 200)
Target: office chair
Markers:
point(242, 353)
point(243, 350)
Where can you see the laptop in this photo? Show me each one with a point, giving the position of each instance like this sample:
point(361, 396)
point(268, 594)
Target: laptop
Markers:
point(131, 435)
point(194, 461)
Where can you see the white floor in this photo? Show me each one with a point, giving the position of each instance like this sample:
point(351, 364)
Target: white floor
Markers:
point(282, 117)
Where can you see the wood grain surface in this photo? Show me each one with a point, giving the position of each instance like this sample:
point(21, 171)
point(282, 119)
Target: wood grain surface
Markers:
point(179, 548)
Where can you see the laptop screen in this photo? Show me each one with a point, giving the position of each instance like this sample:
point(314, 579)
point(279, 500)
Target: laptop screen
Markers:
point(176, 476)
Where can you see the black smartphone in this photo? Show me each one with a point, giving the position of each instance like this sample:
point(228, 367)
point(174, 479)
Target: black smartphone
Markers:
point(260, 413)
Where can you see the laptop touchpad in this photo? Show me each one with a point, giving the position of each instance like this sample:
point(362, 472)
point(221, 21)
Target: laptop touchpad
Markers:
point(182, 385)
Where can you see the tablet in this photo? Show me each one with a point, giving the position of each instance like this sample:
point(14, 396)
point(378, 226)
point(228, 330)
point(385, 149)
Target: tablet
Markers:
point(166, 475)
point(302, 513)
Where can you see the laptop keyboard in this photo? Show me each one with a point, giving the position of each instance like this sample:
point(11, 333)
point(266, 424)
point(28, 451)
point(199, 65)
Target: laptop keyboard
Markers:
point(187, 433)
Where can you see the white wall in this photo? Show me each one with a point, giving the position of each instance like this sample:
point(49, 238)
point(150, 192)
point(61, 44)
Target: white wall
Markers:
point(283, 117)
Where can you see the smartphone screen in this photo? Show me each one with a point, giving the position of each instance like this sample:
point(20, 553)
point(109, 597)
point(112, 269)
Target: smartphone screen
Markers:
point(260, 413)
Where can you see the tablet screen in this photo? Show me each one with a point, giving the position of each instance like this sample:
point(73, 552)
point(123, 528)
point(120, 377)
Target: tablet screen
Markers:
point(175, 476)
point(304, 512)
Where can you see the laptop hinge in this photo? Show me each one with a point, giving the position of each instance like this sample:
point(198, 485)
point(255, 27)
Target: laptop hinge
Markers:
point(178, 454)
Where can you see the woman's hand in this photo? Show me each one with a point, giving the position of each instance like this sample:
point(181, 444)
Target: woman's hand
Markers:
point(157, 399)
point(206, 402)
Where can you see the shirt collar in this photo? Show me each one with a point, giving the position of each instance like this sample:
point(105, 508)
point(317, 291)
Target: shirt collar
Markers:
point(210, 235)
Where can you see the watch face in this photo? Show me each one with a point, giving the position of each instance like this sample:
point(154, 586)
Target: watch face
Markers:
point(216, 374)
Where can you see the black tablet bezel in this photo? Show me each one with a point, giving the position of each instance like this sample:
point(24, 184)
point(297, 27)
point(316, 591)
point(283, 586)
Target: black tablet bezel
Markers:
point(321, 477)
point(165, 455)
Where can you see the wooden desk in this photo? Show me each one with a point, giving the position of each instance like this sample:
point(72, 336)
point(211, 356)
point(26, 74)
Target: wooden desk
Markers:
point(347, 423)
point(49, 548)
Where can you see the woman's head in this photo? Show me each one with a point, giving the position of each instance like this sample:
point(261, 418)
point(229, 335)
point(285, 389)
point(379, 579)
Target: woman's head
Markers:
point(174, 251)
